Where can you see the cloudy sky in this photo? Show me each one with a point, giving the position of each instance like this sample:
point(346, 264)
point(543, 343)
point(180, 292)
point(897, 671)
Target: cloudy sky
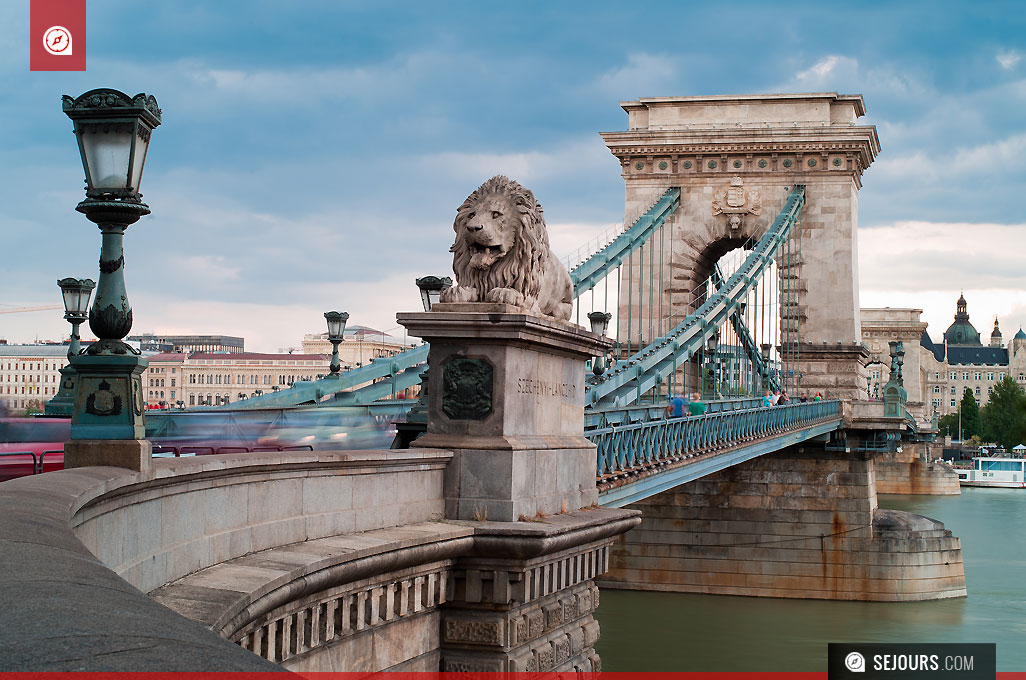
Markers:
point(313, 154)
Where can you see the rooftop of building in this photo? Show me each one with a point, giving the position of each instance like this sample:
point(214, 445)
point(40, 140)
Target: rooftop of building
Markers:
point(962, 355)
point(33, 350)
point(254, 356)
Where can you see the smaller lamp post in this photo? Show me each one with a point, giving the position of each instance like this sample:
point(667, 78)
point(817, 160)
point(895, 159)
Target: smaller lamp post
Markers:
point(711, 345)
point(76, 294)
point(336, 328)
point(599, 325)
point(431, 288)
point(764, 352)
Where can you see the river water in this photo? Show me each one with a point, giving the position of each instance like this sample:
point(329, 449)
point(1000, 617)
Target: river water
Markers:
point(648, 631)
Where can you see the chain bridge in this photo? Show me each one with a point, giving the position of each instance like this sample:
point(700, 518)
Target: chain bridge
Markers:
point(479, 542)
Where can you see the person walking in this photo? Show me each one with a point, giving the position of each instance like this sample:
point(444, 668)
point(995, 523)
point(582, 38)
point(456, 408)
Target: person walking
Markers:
point(767, 399)
point(782, 399)
point(818, 397)
point(675, 409)
point(775, 398)
point(696, 407)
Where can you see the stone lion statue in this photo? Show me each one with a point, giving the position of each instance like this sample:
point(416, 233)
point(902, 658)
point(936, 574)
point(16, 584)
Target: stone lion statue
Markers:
point(502, 253)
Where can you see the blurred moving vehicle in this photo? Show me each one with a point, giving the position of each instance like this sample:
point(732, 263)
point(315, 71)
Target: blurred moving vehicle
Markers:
point(35, 445)
point(30, 446)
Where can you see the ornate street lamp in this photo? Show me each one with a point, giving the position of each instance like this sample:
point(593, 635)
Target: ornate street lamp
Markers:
point(764, 352)
point(336, 328)
point(76, 293)
point(113, 132)
point(431, 288)
point(712, 344)
point(599, 325)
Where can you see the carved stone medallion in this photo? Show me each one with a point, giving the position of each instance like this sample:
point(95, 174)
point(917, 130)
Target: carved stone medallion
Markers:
point(735, 203)
point(467, 389)
point(103, 402)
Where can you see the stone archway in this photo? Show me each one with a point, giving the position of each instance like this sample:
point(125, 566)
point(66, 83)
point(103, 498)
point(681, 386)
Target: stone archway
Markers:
point(762, 144)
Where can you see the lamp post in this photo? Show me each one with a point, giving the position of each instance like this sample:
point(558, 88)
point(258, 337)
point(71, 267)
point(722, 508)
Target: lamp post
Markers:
point(431, 288)
point(599, 325)
point(764, 351)
point(113, 131)
point(336, 329)
point(76, 294)
point(711, 345)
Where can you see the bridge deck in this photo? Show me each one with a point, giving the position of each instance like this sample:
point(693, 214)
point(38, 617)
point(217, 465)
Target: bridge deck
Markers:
point(642, 459)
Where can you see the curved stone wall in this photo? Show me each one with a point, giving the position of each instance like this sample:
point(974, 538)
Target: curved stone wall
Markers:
point(80, 548)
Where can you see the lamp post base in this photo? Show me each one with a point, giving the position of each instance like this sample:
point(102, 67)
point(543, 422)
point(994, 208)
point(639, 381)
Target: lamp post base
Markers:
point(133, 454)
point(63, 402)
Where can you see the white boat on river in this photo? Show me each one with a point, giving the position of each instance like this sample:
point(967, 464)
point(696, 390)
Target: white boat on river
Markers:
point(999, 472)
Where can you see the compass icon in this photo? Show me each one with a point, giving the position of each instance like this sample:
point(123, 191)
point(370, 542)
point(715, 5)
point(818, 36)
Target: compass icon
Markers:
point(57, 41)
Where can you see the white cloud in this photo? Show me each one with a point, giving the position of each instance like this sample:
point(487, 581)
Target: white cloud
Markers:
point(925, 265)
point(1008, 58)
point(527, 166)
point(644, 75)
point(827, 68)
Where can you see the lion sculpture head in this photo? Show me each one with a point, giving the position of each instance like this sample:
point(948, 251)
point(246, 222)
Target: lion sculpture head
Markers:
point(502, 253)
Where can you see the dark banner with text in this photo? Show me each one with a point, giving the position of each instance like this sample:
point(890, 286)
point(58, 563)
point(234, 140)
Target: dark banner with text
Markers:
point(949, 661)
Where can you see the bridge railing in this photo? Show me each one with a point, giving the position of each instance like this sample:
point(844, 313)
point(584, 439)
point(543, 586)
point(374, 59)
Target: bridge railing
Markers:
point(634, 447)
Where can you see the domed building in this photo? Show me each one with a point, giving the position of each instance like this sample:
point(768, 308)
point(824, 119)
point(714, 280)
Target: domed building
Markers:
point(938, 374)
point(962, 332)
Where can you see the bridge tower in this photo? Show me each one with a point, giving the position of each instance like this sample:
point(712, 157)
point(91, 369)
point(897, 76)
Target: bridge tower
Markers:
point(735, 159)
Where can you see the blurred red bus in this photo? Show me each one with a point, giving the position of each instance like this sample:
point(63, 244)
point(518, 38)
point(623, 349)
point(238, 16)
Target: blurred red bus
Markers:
point(32, 445)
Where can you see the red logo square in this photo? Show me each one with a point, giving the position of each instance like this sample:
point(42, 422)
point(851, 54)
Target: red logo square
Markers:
point(57, 35)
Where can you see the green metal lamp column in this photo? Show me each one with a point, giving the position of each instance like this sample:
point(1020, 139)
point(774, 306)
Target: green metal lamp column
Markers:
point(107, 422)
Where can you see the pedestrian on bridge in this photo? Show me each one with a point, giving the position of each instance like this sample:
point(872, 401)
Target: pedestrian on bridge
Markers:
point(696, 407)
point(782, 399)
point(675, 409)
point(767, 399)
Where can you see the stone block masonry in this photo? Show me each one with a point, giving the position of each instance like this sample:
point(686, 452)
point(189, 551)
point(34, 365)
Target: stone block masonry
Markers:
point(911, 472)
point(801, 523)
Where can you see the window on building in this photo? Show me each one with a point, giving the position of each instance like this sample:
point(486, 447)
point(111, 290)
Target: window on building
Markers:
point(952, 389)
point(952, 402)
point(953, 375)
point(990, 375)
point(965, 375)
point(876, 375)
point(172, 382)
point(936, 389)
point(990, 389)
point(192, 400)
point(978, 375)
point(977, 390)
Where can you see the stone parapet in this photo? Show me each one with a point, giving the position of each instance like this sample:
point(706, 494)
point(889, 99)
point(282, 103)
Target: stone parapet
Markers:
point(802, 523)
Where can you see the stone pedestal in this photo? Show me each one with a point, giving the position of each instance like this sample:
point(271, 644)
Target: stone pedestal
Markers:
point(506, 396)
point(832, 370)
point(134, 454)
point(107, 425)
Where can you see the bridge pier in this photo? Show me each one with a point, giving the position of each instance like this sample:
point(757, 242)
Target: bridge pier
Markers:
point(910, 471)
point(800, 523)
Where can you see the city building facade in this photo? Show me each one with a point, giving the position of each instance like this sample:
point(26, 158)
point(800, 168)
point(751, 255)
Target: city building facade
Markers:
point(936, 375)
point(214, 378)
point(360, 345)
point(29, 375)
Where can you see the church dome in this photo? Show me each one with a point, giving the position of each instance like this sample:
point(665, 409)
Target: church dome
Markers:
point(1020, 335)
point(961, 332)
point(996, 333)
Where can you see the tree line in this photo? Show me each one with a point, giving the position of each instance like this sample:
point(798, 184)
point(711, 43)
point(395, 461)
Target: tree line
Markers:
point(1002, 421)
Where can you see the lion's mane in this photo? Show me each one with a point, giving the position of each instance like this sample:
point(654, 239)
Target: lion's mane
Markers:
point(520, 268)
